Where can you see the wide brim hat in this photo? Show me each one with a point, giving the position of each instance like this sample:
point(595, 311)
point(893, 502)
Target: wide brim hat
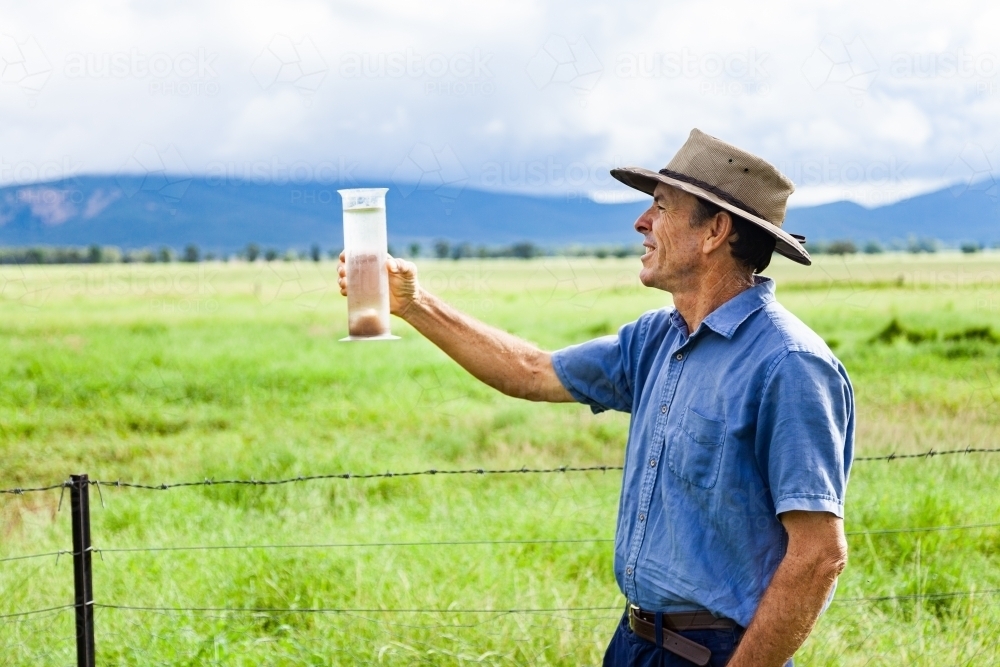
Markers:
point(730, 178)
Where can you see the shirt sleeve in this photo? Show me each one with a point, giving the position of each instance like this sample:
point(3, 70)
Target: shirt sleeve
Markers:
point(600, 372)
point(805, 433)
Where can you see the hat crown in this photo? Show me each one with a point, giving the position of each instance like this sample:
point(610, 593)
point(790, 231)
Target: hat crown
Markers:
point(743, 176)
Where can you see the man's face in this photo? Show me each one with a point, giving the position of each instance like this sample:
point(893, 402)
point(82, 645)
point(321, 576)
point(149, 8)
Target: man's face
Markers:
point(673, 248)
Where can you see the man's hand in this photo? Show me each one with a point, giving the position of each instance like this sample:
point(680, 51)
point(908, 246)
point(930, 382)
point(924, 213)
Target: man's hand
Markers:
point(403, 286)
point(817, 553)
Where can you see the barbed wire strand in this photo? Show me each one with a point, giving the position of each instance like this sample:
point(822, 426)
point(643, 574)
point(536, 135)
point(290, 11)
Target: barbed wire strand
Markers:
point(340, 610)
point(360, 476)
point(18, 491)
point(925, 529)
point(118, 484)
point(932, 453)
point(360, 545)
point(32, 556)
point(37, 611)
point(920, 596)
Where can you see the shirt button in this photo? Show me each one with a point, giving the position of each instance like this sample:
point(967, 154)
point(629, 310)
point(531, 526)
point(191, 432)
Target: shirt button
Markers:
point(652, 463)
point(663, 409)
point(642, 517)
point(679, 356)
point(628, 570)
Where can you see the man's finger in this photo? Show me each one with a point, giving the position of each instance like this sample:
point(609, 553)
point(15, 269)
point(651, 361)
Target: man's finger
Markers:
point(399, 266)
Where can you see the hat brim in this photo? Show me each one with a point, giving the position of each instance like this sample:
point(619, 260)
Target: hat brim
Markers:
point(645, 180)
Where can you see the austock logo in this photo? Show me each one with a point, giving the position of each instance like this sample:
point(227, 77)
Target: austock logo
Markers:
point(850, 282)
point(975, 169)
point(305, 284)
point(24, 64)
point(559, 279)
point(28, 289)
point(438, 391)
point(279, 172)
point(734, 73)
point(161, 172)
point(284, 62)
point(873, 182)
point(577, 176)
point(426, 169)
point(562, 62)
point(458, 74)
point(182, 74)
point(835, 62)
point(26, 172)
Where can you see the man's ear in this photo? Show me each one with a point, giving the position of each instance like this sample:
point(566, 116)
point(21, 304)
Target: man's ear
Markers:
point(718, 230)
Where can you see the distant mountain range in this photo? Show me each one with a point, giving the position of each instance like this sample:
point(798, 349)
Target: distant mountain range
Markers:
point(953, 215)
point(136, 212)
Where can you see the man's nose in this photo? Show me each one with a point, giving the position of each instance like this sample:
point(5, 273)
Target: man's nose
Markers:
point(644, 222)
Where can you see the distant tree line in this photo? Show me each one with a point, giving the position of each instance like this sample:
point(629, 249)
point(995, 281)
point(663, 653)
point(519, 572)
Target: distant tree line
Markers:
point(913, 245)
point(439, 249)
point(191, 253)
point(442, 249)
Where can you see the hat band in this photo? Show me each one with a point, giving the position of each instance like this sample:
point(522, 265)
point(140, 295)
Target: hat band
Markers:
point(721, 194)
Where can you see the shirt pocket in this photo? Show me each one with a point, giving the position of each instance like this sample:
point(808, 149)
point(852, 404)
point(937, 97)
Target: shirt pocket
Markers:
point(694, 453)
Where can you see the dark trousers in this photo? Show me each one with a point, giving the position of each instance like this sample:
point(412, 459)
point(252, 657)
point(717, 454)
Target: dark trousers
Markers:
point(629, 650)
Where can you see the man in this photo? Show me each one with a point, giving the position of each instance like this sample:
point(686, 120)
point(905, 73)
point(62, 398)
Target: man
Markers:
point(730, 525)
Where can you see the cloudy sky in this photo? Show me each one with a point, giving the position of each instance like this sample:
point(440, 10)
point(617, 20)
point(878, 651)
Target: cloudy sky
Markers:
point(868, 101)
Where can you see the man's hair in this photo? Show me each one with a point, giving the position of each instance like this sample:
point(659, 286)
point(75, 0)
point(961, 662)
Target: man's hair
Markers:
point(752, 247)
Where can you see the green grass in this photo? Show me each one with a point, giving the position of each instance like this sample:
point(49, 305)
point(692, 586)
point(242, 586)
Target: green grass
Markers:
point(175, 372)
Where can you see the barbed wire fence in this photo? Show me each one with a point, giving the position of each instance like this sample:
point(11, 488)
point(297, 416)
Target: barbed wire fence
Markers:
point(84, 603)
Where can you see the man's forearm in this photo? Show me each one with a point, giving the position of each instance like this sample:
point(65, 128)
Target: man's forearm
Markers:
point(501, 360)
point(788, 611)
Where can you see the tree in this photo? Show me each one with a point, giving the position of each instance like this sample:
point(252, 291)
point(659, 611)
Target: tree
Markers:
point(270, 254)
point(191, 253)
point(442, 249)
point(314, 252)
point(922, 244)
point(95, 255)
point(165, 254)
point(252, 252)
point(461, 250)
point(525, 250)
point(842, 247)
point(414, 250)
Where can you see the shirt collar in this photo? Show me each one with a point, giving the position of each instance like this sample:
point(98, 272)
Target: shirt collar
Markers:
point(727, 318)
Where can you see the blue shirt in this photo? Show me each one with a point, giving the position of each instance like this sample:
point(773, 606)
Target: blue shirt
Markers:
point(748, 417)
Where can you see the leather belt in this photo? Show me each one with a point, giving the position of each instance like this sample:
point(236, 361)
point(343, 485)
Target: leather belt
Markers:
point(643, 623)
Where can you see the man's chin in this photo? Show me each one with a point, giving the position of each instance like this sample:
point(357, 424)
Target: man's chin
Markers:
point(646, 277)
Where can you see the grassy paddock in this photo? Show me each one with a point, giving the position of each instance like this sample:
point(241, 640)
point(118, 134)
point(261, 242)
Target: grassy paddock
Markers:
point(174, 372)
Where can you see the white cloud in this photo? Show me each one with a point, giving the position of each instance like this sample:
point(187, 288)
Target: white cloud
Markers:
point(561, 90)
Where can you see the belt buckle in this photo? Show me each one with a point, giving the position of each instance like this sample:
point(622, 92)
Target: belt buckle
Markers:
point(633, 612)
